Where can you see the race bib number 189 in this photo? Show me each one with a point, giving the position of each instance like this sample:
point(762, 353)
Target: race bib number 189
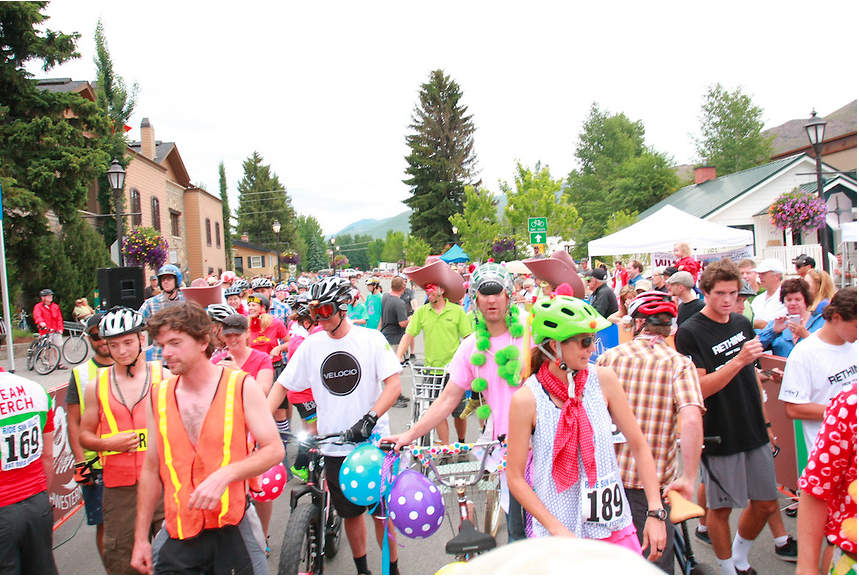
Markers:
point(602, 504)
point(20, 444)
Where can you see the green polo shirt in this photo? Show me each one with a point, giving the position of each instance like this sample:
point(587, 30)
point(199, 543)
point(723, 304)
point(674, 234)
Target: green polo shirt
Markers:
point(442, 332)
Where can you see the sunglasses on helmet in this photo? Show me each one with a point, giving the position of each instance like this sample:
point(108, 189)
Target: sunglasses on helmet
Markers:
point(322, 311)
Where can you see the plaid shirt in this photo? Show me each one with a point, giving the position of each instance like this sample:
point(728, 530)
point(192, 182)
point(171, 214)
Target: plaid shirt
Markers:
point(153, 305)
point(280, 311)
point(658, 382)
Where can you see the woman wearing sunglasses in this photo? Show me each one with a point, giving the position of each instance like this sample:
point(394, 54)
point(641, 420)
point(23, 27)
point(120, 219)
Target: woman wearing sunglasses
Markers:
point(564, 412)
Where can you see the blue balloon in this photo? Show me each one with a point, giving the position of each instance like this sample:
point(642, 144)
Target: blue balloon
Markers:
point(361, 475)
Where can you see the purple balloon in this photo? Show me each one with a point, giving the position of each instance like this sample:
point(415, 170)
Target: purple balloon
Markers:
point(415, 505)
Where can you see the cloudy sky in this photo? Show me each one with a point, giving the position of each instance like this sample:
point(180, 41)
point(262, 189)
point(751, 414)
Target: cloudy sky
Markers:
point(325, 90)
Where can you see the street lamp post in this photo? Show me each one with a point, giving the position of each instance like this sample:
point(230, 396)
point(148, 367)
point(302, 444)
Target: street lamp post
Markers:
point(815, 128)
point(116, 179)
point(276, 227)
point(332, 255)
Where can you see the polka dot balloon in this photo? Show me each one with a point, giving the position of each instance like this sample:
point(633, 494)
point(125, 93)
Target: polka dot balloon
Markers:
point(415, 505)
point(361, 474)
point(271, 483)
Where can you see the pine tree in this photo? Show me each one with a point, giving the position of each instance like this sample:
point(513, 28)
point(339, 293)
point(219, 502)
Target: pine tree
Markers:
point(262, 200)
point(441, 159)
point(225, 206)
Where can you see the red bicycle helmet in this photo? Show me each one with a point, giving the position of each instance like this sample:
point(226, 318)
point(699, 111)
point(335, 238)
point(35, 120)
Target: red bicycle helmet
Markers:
point(651, 303)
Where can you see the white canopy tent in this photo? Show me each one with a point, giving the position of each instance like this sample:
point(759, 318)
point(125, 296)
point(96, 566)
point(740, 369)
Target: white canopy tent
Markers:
point(661, 230)
point(849, 233)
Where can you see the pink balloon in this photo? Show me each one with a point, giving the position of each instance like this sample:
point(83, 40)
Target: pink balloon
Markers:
point(271, 483)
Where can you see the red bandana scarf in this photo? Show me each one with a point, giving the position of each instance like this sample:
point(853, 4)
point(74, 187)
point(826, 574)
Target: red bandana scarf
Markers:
point(574, 430)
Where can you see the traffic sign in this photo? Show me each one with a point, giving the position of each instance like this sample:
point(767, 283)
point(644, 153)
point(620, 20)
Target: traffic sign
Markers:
point(538, 225)
point(538, 238)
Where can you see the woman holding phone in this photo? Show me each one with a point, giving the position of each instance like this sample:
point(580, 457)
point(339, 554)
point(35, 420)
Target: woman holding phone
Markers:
point(783, 333)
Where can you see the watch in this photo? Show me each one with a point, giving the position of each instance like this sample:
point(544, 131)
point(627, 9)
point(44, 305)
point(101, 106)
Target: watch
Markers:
point(660, 514)
point(373, 414)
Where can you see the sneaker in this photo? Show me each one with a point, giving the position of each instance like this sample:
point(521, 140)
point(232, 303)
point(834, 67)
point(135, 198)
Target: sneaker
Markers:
point(402, 402)
point(703, 537)
point(300, 473)
point(61, 367)
point(748, 570)
point(788, 551)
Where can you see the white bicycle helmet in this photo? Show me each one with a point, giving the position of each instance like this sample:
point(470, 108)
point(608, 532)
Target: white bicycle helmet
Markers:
point(240, 285)
point(489, 274)
point(217, 312)
point(304, 282)
point(257, 283)
point(120, 320)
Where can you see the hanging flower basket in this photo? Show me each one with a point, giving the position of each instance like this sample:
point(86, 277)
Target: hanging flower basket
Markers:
point(290, 257)
point(503, 245)
point(145, 246)
point(798, 210)
point(340, 261)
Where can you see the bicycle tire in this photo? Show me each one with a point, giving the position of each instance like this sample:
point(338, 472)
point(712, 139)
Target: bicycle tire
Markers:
point(492, 513)
point(333, 532)
point(75, 349)
point(299, 553)
point(47, 359)
point(31, 356)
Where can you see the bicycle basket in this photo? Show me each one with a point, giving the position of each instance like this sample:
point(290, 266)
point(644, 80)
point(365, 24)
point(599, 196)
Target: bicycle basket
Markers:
point(428, 381)
point(73, 328)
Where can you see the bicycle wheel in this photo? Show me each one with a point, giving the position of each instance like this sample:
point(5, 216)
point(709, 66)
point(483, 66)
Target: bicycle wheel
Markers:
point(300, 553)
point(31, 354)
point(75, 349)
point(47, 359)
point(333, 531)
point(492, 514)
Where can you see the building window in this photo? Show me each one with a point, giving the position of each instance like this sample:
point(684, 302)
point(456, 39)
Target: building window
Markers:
point(218, 234)
point(208, 232)
point(255, 261)
point(211, 270)
point(137, 218)
point(156, 214)
point(175, 228)
point(237, 264)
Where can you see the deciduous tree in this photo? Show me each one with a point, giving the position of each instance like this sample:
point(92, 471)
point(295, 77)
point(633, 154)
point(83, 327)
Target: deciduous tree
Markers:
point(417, 250)
point(731, 138)
point(478, 224)
point(441, 160)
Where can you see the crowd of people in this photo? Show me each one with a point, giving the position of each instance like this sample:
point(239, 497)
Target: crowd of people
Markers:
point(179, 429)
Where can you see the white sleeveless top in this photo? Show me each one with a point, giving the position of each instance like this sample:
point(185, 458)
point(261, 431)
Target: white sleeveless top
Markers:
point(588, 512)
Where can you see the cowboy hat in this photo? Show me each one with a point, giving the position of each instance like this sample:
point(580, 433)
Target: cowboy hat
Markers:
point(203, 294)
point(436, 271)
point(557, 269)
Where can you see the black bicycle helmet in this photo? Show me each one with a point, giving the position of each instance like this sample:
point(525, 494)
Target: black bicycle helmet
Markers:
point(333, 290)
point(46, 292)
point(233, 291)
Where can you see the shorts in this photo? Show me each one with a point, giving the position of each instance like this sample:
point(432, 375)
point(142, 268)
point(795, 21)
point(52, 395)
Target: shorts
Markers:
point(345, 508)
point(307, 410)
point(732, 480)
point(457, 412)
point(119, 506)
point(236, 549)
point(92, 495)
point(26, 536)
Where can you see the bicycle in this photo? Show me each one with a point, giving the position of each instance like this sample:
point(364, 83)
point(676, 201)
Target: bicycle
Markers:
point(681, 511)
point(22, 321)
point(314, 528)
point(75, 348)
point(456, 479)
point(427, 384)
point(43, 356)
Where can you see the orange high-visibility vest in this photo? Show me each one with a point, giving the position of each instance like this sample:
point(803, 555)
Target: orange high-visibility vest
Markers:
point(222, 440)
point(123, 468)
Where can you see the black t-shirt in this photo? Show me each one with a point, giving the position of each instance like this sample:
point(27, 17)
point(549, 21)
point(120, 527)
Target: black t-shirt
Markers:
point(407, 297)
point(393, 312)
point(734, 413)
point(687, 309)
point(72, 391)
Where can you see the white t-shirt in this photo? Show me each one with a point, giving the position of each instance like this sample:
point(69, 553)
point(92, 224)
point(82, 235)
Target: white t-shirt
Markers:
point(816, 372)
point(768, 309)
point(346, 376)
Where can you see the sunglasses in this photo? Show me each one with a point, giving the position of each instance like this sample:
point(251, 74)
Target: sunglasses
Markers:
point(584, 341)
point(94, 336)
point(430, 288)
point(322, 311)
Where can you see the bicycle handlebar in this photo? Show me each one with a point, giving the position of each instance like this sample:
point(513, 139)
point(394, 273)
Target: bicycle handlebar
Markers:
point(425, 455)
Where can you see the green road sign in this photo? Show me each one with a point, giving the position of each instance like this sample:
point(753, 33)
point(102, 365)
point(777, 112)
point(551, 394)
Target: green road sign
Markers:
point(538, 237)
point(537, 225)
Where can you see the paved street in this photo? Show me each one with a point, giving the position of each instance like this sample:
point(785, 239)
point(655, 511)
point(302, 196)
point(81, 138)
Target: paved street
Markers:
point(75, 541)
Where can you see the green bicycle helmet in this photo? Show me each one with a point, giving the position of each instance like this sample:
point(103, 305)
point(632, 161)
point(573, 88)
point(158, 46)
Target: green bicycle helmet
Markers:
point(561, 317)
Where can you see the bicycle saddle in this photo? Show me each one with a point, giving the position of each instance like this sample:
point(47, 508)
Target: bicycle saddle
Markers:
point(469, 541)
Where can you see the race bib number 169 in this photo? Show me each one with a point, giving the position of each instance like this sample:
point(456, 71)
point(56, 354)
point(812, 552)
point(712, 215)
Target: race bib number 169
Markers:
point(20, 444)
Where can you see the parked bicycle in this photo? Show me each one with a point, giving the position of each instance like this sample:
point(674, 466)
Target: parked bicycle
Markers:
point(681, 511)
point(314, 528)
point(427, 384)
point(43, 356)
point(76, 347)
point(467, 487)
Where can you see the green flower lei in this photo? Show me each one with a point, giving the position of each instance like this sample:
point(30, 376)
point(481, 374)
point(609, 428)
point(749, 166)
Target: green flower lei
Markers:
point(507, 359)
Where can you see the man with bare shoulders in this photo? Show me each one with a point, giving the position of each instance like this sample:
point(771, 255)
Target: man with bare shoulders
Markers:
point(198, 423)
